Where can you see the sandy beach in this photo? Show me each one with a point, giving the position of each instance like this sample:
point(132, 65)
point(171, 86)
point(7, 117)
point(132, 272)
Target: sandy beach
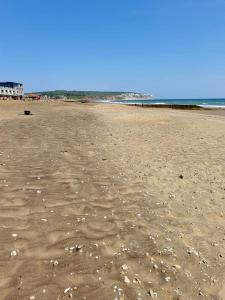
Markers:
point(104, 202)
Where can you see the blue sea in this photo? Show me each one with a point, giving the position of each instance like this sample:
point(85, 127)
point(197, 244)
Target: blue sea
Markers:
point(207, 103)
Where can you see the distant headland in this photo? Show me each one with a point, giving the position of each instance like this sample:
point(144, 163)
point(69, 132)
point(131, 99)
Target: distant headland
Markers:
point(94, 95)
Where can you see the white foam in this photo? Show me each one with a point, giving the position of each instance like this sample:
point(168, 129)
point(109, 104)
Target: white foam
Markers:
point(157, 103)
point(211, 106)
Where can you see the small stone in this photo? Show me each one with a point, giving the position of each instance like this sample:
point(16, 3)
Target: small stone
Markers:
point(78, 247)
point(192, 251)
point(177, 267)
point(55, 263)
point(14, 235)
point(172, 196)
point(14, 253)
point(167, 279)
point(151, 293)
point(126, 280)
point(125, 267)
point(67, 290)
point(181, 176)
point(32, 297)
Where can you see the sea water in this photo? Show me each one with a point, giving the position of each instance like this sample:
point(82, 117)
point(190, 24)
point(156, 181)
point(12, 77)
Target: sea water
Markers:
point(207, 103)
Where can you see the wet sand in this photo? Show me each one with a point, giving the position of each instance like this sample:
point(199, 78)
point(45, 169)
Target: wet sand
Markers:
point(111, 202)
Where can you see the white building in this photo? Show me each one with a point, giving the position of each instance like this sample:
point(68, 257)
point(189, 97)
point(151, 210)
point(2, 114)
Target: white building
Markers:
point(11, 90)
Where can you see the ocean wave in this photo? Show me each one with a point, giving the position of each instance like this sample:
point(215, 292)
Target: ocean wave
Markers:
point(157, 103)
point(211, 106)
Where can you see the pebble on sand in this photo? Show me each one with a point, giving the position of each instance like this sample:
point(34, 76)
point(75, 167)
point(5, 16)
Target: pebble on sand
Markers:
point(152, 293)
point(177, 267)
point(125, 267)
point(192, 251)
point(14, 253)
point(126, 280)
point(167, 279)
point(67, 290)
point(55, 263)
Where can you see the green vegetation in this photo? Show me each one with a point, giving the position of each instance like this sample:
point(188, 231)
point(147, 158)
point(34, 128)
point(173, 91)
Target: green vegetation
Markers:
point(79, 95)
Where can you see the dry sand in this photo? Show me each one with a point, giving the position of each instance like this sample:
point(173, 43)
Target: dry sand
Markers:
point(111, 202)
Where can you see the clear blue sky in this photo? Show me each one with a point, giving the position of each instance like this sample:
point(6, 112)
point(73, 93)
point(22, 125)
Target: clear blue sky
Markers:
point(172, 48)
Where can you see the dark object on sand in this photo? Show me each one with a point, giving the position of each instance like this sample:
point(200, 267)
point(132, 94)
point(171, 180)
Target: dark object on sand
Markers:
point(181, 177)
point(28, 113)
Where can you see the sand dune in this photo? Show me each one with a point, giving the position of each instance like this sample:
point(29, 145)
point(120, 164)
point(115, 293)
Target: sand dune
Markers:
point(111, 202)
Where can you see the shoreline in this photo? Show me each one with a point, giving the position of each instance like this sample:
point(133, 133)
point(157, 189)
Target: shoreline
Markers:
point(172, 106)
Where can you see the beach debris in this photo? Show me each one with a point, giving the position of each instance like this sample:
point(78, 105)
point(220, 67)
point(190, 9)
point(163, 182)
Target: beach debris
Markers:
point(14, 235)
point(14, 253)
point(32, 297)
point(44, 220)
point(38, 192)
point(181, 176)
point(27, 113)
